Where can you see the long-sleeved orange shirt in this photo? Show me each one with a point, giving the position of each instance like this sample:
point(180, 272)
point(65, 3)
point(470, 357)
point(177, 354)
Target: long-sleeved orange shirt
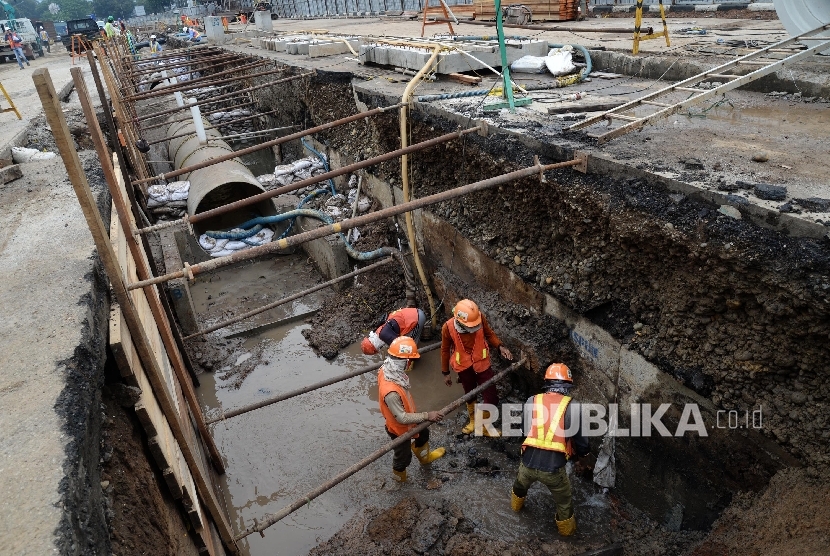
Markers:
point(448, 346)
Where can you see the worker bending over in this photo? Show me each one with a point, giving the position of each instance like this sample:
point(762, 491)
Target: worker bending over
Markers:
point(403, 322)
point(549, 444)
point(398, 408)
point(466, 339)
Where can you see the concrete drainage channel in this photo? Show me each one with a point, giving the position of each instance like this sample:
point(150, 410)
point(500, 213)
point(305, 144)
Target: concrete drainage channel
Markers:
point(637, 281)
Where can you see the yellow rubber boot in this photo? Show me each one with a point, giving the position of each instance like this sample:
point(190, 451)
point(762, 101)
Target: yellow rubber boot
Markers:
point(516, 503)
point(425, 456)
point(400, 476)
point(470, 427)
point(486, 415)
point(567, 527)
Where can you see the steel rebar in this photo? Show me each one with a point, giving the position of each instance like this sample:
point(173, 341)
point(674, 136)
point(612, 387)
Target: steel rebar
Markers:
point(350, 223)
point(223, 97)
point(309, 388)
point(213, 61)
point(288, 299)
point(213, 126)
point(269, 520)
point(190, 118)
point(207, 81)
point(609, 30)
point(268, 144)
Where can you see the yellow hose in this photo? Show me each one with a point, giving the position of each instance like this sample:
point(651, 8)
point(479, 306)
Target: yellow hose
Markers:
point(410, 227)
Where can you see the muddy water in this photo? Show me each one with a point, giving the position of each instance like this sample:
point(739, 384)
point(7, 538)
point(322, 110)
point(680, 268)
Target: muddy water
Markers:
point(278, 453)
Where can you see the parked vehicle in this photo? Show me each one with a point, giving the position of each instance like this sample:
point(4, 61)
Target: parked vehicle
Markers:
point(86, 27)
point(26, 31)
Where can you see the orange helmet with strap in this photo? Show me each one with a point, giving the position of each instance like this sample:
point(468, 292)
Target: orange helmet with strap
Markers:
point(367, 347)
point(558, 371)
point(466, 312)
point(404, 347)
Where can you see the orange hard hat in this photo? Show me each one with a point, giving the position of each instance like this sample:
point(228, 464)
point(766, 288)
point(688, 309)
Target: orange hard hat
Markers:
point(367, 347)
point(404, 347)
point(466, 312)
point(558, 371)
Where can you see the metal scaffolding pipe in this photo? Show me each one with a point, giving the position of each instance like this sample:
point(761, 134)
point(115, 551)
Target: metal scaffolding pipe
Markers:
point(209, 80)
point(288, 299)
point(273, 142)
point(310, 181)
point(269, 520)
point(309, 388)
point(205, 81)
point(323, 231)
point(609, 30)
point(225, 96)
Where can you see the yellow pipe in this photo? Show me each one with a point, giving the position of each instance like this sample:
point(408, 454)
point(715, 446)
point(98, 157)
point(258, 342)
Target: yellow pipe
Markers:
point(410, 227)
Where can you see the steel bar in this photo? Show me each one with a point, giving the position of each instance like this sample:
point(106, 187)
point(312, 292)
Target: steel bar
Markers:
point(207, 81)
point(273, 142)
point(608, 30)
point(198, 49)
point(252, 134)
point(221, 124)
point(289, 299)
point(220, 60)
point(224, 97)
point(315, 179)
point(350, 223)
point(310, 388)
point(269, 520)
point(162, 124)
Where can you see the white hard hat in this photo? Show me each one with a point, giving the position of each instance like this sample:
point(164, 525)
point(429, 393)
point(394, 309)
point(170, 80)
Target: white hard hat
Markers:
point(184, 28)
point(152, 36)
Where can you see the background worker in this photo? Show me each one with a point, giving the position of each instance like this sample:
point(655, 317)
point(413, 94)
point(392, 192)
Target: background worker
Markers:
point(549, 445)
point(109, 28)
point(398, 407)
point(465, 347)
point(155, 47)
point(44, 39)
point(16, 44)
point(408, 321)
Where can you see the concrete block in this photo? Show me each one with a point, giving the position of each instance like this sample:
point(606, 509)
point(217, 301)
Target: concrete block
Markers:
point(263, 22)
point(328, 253)
point(706, 7)
point(761, 7)
point(327, 49)
point(214, 30)
point(10, 173)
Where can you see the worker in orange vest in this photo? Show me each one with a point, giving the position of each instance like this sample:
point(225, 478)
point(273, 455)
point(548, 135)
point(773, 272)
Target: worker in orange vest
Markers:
point(16, 45)
point(398, 407)
point(466, 340)
point(554, 435)
point(408, 321)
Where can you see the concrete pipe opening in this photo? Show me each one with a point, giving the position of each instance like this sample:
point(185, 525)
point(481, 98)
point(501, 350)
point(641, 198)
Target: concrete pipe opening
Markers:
point(800, 16)
point(216, 185)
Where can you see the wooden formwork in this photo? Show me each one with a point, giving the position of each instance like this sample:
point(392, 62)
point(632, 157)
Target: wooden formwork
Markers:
point(542, 10)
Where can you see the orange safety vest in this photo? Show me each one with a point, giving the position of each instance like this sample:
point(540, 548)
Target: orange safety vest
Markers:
point(385, 387)
point(478, 358)
point(406, 318)
point(15, 43)
point(541, 434)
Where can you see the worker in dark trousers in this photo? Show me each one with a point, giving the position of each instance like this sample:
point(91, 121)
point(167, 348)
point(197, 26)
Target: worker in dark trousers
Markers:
point(398, 407)
point(403, 322)
point(466, 340)
point(550, 443)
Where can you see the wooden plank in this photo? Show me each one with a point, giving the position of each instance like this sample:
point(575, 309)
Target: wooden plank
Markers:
point(466, 79)
point(590, 104)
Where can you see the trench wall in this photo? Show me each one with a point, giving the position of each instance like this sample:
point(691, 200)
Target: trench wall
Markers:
point(659, 292)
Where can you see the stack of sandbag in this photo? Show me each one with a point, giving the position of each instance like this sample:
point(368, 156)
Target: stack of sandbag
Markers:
point(220, 119)
point(558, 62)
point(223, 247)
point(286, 174)
point(167, 201)
point(23, 154)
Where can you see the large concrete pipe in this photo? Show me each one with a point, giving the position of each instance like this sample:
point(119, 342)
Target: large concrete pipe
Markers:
point(800, 16)
point(216, 185)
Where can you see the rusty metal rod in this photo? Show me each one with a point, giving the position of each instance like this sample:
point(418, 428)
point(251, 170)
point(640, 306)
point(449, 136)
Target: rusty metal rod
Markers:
point(261, 525)
point(213, 126)
point(609, 30)
point(223, 97)
point(309, 388)
point(213, 61)
point(348, 224)
point(288, 299)
point(190, 118)
point(185, 83)
point(178, 52)
point(268, 144)
point(207, 81)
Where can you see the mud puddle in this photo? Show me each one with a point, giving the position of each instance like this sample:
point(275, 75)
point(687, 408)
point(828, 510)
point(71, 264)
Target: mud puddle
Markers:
point(278, 453)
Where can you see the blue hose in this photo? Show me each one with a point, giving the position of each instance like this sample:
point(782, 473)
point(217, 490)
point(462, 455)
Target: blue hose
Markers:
point(305, 199)
point(245, 233)
point(322, 158)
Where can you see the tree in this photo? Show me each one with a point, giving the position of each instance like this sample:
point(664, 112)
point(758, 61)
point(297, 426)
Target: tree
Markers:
point(115, 8)
point(156, 6)
point(73, 9)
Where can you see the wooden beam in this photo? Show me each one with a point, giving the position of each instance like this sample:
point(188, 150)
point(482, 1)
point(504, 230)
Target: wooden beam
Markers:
point(466, 79)
point(74, 169)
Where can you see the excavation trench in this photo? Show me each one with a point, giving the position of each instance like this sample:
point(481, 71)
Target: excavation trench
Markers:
point(650, 294)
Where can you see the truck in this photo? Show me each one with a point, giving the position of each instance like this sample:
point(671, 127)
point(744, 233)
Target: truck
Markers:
point(24, 28)
point(86, 27)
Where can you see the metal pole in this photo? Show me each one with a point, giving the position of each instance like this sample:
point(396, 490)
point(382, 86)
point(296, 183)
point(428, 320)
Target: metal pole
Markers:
point(350, 223)
point(268, 144)
point(269, 520)
point(227, 96)
point(309, 388)
point(288, 299)
point(311, 181)
point(507, 87)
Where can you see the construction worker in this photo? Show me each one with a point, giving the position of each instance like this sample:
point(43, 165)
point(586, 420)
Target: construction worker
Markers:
point(466, 339)
point(408, 321)
point(398, 408)
point(44, 39)
point(193, 34)
point(109, 28)
point(16, 44)
point(155, 47)
point(550, 443)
